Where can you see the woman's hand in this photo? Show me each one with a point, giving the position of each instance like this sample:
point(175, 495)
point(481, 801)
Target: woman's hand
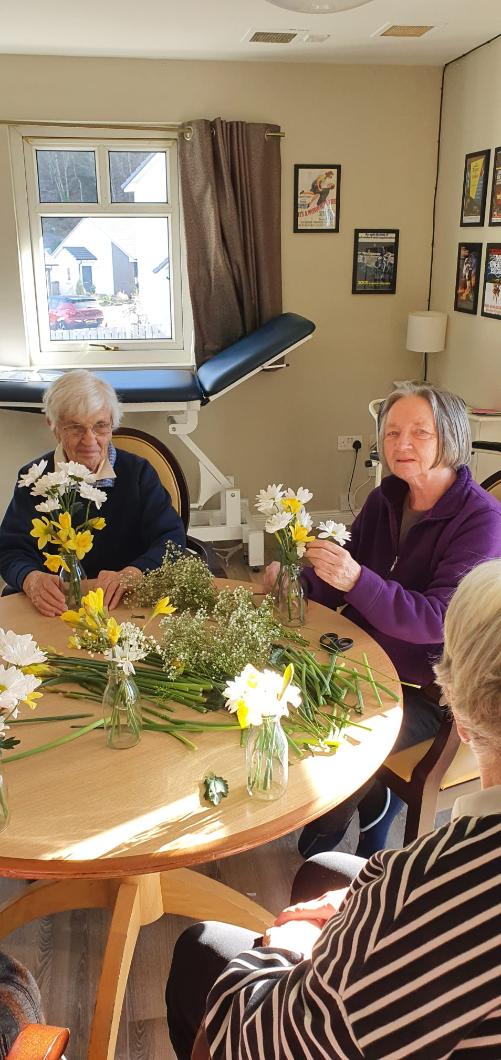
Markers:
point(319, 909)
point(115, 583)
point(299, 936)
point(270, 576)
point(333, 565)
point(45, 593)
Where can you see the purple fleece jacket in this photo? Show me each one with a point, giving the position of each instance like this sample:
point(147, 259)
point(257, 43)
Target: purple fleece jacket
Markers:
point(401, 598)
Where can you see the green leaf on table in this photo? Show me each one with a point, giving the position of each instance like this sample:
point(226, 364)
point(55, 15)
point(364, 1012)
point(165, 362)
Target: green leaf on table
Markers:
point(215, 788)
point(7, 742)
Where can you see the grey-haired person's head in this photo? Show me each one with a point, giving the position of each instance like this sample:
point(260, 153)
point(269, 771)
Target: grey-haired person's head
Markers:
point(451, 421)
point(79, 392)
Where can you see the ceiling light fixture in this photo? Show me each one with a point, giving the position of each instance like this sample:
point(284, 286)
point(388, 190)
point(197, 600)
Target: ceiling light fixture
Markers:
point(319, 7)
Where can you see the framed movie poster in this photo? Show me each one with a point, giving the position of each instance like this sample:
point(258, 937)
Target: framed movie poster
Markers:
point(491, 302)
point(316, 198)
point(495, 210)
point(467, 277)
point(476, 175)
point(375, 256)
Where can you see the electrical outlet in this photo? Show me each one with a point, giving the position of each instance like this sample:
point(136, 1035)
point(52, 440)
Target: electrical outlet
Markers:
point(371, 471)
point(345, 441)
point(343, 502)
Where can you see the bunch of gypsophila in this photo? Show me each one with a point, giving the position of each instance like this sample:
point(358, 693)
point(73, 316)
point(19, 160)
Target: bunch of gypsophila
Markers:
point(184, 578)
point(221, 644)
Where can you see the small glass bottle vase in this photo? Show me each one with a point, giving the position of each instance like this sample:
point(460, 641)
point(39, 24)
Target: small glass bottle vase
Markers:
point(267, 759)
point(70, 581)
point(4, 803)
point(289, 595)
point(121, 709)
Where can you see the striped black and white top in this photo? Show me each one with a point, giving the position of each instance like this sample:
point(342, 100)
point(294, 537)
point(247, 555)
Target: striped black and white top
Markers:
point(409, 967)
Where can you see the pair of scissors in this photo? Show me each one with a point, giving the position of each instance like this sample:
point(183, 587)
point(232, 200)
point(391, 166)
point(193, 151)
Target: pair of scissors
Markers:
point(331, 642)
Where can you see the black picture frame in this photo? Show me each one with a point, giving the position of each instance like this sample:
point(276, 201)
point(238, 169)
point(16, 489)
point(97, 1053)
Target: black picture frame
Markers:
point(491, 295)
point(475, 180)
point(495, 203)
point(315, 210)
point(469, 260)
point(375, 261)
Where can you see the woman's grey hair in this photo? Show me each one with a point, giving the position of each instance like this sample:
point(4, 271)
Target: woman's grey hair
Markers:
point(470, 669)
point(451, 421)
point(80, 393)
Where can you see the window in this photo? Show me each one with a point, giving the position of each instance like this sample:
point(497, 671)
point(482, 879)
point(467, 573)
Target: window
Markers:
point(101, 257)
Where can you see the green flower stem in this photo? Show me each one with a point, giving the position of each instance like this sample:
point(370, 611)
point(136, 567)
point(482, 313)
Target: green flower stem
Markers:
point(54, 717)
point(55, 743)
point(372, 681)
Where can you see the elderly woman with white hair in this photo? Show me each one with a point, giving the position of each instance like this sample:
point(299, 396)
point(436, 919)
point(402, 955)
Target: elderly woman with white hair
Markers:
point(82, 411)
point(399, 956)
point(416, 536)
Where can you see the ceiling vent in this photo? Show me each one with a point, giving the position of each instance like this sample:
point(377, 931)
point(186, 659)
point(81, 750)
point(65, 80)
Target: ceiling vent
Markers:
point(404, 31)
point(266, 37)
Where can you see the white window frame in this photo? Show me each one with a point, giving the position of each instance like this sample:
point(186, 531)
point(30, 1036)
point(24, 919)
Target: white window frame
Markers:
point(41, 350)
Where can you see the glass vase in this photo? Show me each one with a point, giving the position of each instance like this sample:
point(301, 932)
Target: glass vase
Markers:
point(289, 595)
point(70, 581)
point(121, 709)
point(267, 759)
point(4, 803)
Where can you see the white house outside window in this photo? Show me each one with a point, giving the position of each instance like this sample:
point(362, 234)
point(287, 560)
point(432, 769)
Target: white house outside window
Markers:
point(102, 277)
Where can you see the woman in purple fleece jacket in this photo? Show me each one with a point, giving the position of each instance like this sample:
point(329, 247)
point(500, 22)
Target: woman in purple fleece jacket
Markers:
point(416, 537)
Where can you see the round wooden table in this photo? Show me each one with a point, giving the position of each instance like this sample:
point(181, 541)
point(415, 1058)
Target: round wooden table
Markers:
point(118, 829)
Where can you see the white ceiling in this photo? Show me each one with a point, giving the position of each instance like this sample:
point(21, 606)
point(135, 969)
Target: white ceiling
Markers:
point(218, 29)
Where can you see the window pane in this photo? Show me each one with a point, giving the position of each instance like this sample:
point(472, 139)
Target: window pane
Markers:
point(107, 278)
point(138, 176)
point(67, 176)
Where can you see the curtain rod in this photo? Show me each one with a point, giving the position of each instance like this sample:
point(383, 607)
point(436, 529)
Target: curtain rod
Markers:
point(185, 130)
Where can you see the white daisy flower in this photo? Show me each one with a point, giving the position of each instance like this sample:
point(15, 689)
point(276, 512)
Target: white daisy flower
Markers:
point(48, 505)
point(90, 493)
point(278, 522)
point(267, 500)
point(47, 482)
point(33, 473)
point(301, 494)
point(15, 686)
point(303, 518)
point(75, 470)
point(19, 649)
point(337, 531)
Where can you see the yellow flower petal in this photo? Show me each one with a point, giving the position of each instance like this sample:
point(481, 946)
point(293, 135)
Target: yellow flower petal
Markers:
point(41, 530)
point(291, 504)
point(72, 616)
point(55, 563)
point(80, 543)
point(113, 630)
point(94, 600)
point(163, 607)
point(243, 714)
point(98, 523)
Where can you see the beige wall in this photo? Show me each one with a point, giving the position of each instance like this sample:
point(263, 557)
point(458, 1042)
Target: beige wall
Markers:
point(471, 364)
point(380, 123)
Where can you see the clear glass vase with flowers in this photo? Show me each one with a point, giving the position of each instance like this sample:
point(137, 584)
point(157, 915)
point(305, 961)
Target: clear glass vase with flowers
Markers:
point(66, 522)
point(260, 698)
point(288, 520)
point(94, 630)
point(22, 665)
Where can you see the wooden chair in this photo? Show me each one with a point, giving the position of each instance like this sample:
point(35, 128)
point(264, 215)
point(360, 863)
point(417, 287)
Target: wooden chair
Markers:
point(432, 774)
point(172, 477)
point(37, 1041)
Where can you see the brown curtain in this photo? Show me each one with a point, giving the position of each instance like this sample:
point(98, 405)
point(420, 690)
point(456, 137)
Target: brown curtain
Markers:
point(230, 182)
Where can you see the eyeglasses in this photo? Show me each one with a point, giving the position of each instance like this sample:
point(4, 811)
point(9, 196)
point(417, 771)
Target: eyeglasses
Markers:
point(77, 430)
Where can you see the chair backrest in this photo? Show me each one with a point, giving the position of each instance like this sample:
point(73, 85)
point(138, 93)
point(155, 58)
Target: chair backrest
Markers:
point(493, 485)
point(167, 467)
point(37, 1041)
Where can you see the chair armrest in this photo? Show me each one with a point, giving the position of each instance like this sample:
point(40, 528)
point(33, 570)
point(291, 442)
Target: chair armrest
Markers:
point(200, 1049)
point(39, 1042)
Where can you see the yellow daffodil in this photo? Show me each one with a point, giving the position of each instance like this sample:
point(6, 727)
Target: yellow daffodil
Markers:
point(42, 530)
point(291, 504)
point(287, 679)
point(73, 642)
point(63, 527)
point(163, 607)
point(98, 523)
point(72, 616)
point(31, 698)
point(55, 563)
point(243, 714)
point(113, 631)
point(300, 533)
point(37, 669)
point(80, 543)
point(94, 600)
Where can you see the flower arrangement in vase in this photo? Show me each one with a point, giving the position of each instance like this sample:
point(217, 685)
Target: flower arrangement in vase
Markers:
point(65, 492)
point(21, 665)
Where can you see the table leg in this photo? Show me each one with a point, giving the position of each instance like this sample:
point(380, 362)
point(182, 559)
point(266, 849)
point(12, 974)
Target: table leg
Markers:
point(122, 938)
point(192, 894)
point(56, 896)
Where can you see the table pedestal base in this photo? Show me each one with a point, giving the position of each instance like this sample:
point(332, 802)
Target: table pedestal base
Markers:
point(134, 901)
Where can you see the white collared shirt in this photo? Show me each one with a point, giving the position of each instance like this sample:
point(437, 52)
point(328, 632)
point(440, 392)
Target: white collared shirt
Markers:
point(479, 803)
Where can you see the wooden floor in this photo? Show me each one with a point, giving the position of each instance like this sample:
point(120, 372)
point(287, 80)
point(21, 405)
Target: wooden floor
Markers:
point(64, 951)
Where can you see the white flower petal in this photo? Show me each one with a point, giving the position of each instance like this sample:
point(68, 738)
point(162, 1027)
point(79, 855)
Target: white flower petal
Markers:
point(278, 522)
point(48, 505)
point(90, 493)
point(32, 474)
point(19, 649)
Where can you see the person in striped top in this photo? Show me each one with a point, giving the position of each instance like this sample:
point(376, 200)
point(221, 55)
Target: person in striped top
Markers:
point(405, 961)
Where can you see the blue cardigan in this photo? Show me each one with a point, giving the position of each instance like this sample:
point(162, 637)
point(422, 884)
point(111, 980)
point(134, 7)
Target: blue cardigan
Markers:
point(139, 515)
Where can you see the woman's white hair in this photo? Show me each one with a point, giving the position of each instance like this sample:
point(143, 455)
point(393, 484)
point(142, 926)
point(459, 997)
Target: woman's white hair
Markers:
point(470, 669)
point(80, 393)
point(451, 421)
